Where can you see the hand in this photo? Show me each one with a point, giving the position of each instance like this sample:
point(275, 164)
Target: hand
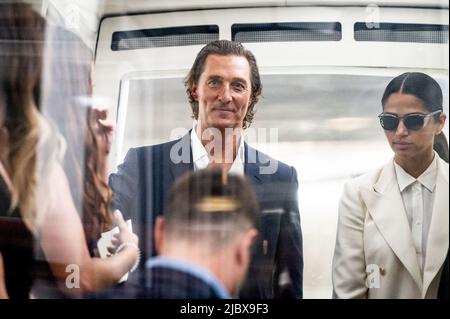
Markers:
point(103, 127)
point(125, 235)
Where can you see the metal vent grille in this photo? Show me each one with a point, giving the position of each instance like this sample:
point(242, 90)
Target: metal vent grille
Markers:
point(287, 32)
point(164, 37)
point(401, 32)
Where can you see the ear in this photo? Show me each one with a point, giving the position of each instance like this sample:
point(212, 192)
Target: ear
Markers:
point(244, 246)
point(441, 122)
point(159, 234)
point(194, 92)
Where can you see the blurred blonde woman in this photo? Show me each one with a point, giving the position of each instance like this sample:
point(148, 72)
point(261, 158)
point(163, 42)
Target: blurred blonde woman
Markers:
point(40, 210)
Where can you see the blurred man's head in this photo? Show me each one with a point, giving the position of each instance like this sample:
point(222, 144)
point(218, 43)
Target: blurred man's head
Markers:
point(210, 220)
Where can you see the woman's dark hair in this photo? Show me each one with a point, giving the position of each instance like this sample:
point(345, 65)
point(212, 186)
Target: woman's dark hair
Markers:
point(441, 146)
point(67, 102)
point(427, 90)
point(421, 85)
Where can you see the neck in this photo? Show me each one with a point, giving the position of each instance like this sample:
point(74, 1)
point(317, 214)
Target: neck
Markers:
point(417, 165)
point(217, 263)
point(221, 144)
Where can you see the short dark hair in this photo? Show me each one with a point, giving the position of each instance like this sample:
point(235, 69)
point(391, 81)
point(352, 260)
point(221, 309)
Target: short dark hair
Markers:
point(421, 85)
point(208, 202)
point(224, 47)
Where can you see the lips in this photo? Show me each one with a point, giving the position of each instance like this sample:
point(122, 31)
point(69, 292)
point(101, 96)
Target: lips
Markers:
point(223, 109)
point(402, 143)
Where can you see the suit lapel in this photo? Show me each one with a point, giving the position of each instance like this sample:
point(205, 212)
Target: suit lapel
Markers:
point(251, 168)
point(385, 206)
point(179, 169)
point(437, 244)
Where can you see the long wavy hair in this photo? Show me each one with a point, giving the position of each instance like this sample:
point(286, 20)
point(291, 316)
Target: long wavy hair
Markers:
point(67, 102)
point(22, 32)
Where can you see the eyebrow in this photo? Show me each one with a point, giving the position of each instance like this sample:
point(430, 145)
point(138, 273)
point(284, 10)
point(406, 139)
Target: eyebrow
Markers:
point(241, 80)
point(235, 79)
point(215, 77)
point(422, 113)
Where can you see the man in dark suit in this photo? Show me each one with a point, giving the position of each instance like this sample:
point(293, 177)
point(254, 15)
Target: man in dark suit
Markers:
point(223, 87)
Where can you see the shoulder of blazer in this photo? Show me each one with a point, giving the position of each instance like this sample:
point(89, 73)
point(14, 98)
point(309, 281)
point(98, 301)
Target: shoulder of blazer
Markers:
point(163, 149)
point(374, 180)
point(157, 148)
point(443, 168)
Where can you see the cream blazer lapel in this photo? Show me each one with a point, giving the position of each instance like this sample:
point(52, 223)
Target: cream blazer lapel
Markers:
point(385, 206)
point(437, 244)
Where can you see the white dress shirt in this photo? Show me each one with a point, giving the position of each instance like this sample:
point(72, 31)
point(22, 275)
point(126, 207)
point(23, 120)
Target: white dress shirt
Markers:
point(201, 158)
point(418, 200)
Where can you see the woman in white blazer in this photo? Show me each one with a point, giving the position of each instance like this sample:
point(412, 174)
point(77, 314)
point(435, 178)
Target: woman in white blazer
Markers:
point(393, 226)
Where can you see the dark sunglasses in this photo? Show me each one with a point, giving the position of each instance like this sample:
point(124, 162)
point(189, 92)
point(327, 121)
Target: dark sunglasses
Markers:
point(412, 121)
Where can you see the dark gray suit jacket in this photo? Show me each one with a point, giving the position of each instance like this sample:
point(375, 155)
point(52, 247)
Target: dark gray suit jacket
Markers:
point(162, 283)
point(140, 189)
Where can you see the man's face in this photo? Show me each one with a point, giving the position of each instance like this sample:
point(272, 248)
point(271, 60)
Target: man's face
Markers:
point(223, 91)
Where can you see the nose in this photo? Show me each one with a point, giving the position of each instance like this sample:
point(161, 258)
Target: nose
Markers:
point(401, 129)
point(225, 94)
